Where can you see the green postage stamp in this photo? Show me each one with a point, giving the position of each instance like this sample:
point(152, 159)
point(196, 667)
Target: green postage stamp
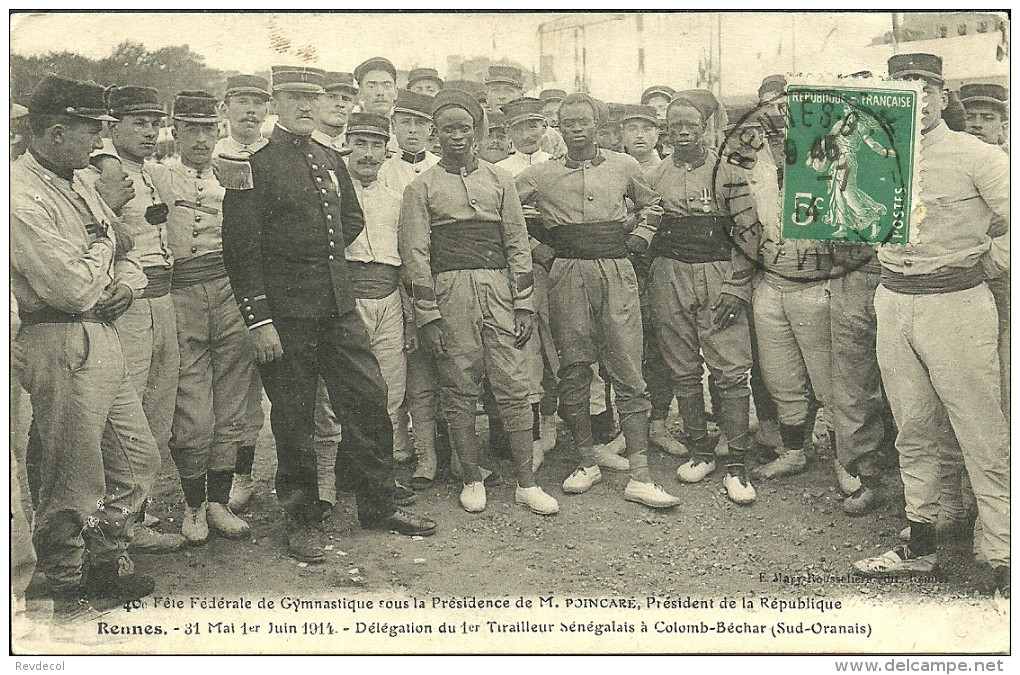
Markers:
point(851, 160)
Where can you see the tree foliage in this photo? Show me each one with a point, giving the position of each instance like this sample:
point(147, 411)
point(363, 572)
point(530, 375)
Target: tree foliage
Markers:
point(168, 69)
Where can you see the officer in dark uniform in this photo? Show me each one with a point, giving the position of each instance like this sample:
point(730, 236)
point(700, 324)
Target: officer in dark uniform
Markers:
point(288, 214)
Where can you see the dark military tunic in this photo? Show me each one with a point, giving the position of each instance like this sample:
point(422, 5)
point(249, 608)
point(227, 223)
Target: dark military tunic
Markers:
point(284, 235)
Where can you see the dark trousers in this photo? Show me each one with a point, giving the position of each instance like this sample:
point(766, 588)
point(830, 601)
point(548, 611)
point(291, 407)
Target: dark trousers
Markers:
point(336, 349)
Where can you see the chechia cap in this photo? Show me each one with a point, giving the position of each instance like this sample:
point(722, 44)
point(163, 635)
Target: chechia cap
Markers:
point(452, 97)
point(702, 100)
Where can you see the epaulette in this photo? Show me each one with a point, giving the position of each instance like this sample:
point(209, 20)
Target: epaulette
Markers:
point(233, 172)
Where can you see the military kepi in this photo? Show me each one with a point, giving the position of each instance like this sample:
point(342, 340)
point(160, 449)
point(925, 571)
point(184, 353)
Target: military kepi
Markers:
point(375, 63)
point(775, 84)
point(523, 109)
point(133, 100)
point(299, 79)
point(340, 82)
point(639, 112)
point(657, 90)
point(247, 84)
point(56, 95)
point(369, 123)
point(549, 95)
point(505, 74)
point(989, 94)
point(419, 74)
point(928, 66)
point(413, 103)
point(195, 106)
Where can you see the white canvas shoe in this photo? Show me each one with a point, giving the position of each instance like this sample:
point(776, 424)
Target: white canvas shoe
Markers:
point(738, 486)
point(242, 489)
point(790, 462)
point(195, 527)
point(608, 460)
point(847, 483)
point(536, 499)
point(472, 497)
point(696, 469)
point(224, 523)
point(649, 494)
point(582, 479)
point(659, 436)
point(617, 446)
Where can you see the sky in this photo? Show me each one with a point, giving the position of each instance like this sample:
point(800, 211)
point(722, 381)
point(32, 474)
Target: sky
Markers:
point(249, 42)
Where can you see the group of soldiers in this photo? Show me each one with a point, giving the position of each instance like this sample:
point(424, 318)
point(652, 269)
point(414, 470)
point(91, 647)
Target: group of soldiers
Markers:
point(383, 261)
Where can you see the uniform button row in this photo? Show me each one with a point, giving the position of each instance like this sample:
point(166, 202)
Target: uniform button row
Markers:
point(251, 317)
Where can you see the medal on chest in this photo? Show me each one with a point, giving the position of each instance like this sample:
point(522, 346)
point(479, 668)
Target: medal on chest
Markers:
point(705, 199)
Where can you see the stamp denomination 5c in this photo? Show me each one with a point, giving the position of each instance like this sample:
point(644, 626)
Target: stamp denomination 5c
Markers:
point(851, 154)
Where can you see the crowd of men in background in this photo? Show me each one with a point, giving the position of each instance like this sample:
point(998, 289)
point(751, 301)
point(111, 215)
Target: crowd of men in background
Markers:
point(382, 261)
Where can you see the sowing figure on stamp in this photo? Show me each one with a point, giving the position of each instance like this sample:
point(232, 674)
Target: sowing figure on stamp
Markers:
point(848, 205)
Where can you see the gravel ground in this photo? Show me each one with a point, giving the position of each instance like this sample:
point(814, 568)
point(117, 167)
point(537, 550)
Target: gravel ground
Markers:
point(597, 546)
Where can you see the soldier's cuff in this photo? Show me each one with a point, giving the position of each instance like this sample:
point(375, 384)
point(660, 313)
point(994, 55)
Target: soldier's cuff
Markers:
point(423, 317)
point(645, 231)
point(423, 298)
point(740, 290)
point(255, 311)
point(523, 287)
point(524, 304)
